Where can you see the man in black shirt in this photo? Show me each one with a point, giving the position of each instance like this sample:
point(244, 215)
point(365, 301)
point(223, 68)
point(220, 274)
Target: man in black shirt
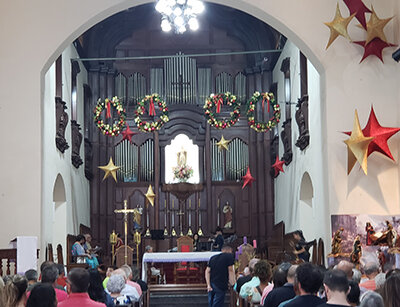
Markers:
point(284, 293)
point(219, 240)
point(219, 272)
point(307, 283)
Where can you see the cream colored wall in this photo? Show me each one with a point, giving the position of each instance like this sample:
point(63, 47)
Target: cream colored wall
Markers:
point(288, 207)
point(57, 224)
point(29, 51)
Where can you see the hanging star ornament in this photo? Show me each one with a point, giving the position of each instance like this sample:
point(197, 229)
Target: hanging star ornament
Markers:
point(278, 166)
point(150, 195)
point(247, 179)
point(357, 147)
point(375, 27)
point(223, 144)
point(127, 134)
point(338, 26)
point(358, 8)
point(380, 134)
point(110, 169)
point(375, 47)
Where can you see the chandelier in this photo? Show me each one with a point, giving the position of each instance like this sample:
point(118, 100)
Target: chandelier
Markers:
point(179, 14)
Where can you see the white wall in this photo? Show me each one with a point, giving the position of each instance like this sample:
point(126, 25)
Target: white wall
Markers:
point(345, 85)
point(77, 208)
point(288, 207)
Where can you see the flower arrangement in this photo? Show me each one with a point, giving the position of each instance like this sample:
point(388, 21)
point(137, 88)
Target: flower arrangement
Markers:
point(182, 173)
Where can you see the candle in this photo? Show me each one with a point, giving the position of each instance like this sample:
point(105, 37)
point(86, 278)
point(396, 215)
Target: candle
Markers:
point(190, 204)
point(199, 203)
point(244, 240)
point(165, 213)
point(240, 250)
point(254, 243)
point(237, 255)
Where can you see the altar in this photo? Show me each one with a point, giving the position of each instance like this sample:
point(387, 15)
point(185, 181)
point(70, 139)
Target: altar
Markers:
point(174, 258)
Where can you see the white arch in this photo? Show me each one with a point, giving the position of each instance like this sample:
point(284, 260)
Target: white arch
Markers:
point(306, 189)
point(59, 190)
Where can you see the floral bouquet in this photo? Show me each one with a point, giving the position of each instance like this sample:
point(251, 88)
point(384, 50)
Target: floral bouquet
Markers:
point(182, 173)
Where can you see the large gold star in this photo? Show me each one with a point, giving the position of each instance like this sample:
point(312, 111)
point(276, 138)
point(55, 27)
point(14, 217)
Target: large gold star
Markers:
point(375, 27)
point(357, 147)
point(110, 169)
point(223, 144)
point(338, 26)
point(150, 195)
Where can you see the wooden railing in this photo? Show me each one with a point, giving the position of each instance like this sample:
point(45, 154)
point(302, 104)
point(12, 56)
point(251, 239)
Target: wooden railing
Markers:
point(10, 255)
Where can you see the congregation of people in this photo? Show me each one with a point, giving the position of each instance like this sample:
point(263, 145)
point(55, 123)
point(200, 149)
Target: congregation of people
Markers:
point(81, 287)
point(308, 285)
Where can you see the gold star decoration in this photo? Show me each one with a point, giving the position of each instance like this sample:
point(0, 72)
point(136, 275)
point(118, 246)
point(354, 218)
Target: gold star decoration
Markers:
point(223, 144)
point(357, 147)
point(338, 26)
point(150, 195)
point(375, 27)
point(110, 169)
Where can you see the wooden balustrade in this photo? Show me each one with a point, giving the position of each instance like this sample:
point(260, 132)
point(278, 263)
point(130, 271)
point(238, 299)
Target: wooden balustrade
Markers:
point(10, 255)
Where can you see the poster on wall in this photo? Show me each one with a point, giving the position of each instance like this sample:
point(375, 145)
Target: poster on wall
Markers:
point(378, 236)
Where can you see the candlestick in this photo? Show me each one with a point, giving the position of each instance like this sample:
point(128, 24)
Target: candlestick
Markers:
point(190, 204)
point(165, 213)
point(190, 218)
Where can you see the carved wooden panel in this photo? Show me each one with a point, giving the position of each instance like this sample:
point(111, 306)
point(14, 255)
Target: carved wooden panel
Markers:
point(76, 144)
point(88, 159)
point(61, 125)
point(286, 136)
point(302, 122)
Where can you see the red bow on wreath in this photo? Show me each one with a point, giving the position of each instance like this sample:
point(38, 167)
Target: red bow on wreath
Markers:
point(265, 97)
point(108, 107)
point(152, 110)
point(219, 104)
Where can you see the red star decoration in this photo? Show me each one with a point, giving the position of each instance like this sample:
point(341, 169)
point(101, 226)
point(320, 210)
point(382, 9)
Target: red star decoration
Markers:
point(248, 179)
point(375, 47)
point(278, 166)
point(127, 134)
point(358, 7)
point(380, 134)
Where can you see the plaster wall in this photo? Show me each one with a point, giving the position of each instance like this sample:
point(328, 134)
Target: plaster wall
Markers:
point(60, 219)
point(345, 85)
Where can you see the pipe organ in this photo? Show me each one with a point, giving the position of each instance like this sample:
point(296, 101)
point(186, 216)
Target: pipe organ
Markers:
point(157, 81)
point(146, 152)
point(126, 156)
point(223, 83)
point(136, 87)
point(180, 80)
point(237, 159)
point(240, 87)
point(217, 162)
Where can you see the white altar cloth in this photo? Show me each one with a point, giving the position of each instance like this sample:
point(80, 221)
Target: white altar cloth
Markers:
point(174, 257)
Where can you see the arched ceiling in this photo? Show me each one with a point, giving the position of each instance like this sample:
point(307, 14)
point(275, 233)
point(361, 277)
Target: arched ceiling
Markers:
point(253, 34)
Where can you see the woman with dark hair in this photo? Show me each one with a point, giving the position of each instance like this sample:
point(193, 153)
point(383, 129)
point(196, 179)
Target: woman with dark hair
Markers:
point(96, 290)
point(79, 250)
point(14, 292)
point(391, 293)
point(42, 295)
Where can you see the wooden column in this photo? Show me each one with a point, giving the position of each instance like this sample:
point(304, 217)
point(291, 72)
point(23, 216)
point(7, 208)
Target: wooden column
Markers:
point(209, 205)
point(156, 180)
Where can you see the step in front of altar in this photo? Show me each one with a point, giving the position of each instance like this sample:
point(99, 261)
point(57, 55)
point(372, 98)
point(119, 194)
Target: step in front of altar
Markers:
point(180, 295)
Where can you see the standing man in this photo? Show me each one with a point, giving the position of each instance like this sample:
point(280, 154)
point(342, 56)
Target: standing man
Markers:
point(219, 272)
point(219, 239)
point(336, 289)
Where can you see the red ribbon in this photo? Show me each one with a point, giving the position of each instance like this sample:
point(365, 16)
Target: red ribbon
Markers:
point(152, 110)
point(219, 104)
point(108, 115)
point(267, 98)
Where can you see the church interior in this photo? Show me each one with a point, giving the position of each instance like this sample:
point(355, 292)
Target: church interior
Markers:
point(257, 120)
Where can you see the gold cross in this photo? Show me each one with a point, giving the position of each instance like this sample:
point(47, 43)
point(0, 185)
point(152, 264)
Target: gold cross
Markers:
point(125, 211)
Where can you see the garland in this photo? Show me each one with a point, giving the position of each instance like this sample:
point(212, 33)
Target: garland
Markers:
point(217, 101)
point(262, 126)
point(116, 127)
point(151, 126)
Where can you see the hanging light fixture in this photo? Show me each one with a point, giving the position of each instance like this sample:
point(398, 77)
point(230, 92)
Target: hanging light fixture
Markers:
point(179, 14)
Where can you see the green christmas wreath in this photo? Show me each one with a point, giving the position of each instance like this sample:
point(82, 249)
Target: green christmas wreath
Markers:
point(115, 128)
point(218, 100)
point(141, 107)
point(251, 106)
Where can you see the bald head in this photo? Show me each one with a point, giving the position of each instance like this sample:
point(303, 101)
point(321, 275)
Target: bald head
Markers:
point(119, 272)
point(346, 267)
point(252, 263)
point(291, 274)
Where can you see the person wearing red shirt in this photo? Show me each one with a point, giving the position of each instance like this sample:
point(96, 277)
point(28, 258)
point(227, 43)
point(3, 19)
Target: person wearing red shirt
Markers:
point(77, 285)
